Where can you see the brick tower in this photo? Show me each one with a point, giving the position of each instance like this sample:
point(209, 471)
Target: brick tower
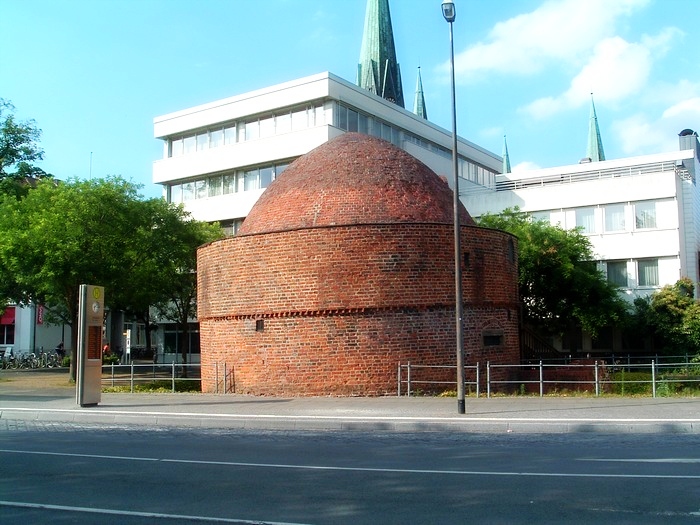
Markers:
point(342, 270)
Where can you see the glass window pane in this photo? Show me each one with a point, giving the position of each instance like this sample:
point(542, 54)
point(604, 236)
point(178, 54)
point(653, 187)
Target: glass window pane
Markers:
point(300, 120)
point(229, 183)
point(319, 116)
point(215, 185)
point(252, 130)
point(342, 113)
point(585, 220)
point(266, 127)
point(538, 216)
point(189, 144)
point(187, 191)
point(202, 141)
point(250, 180)
point(200, 189)
point(615, 217)
point(176, 148)
point(266, 176)
point(362, 124)
point(230, 135)
point(284, 123)
point(176, 193)
point(617, 273)
point(648, 272)
point(216, 138)
point(352, 120)
point(645, 214)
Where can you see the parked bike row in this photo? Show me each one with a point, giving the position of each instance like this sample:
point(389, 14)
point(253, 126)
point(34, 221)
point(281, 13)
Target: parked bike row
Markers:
point(31, 360)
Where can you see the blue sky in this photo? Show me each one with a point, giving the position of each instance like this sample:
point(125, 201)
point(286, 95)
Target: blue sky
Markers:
point(94, 73)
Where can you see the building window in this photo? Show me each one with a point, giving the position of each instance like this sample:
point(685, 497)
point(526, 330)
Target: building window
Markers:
point(615, 217)
point(585, 220)
point(648, 272)
point(7, 334)
point(617, 273)
point(645, 214)
point(493, 338)
point(541, 216)
point(176, 148)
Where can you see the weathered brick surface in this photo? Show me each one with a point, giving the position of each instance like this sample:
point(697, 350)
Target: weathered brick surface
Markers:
point(332, 308)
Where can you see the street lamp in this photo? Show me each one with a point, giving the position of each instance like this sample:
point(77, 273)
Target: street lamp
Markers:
point(448, 11)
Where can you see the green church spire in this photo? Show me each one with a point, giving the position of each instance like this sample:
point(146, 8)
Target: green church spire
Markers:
point(378, 70)
point(595, 144)
point(506, 157)
point(419, 102)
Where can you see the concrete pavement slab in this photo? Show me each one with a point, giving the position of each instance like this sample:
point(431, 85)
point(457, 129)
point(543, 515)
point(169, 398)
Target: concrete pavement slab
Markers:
point(384, 414)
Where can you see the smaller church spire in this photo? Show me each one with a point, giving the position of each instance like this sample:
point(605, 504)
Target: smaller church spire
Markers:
point(419, 102)
point(595, 144)
point(506, 157)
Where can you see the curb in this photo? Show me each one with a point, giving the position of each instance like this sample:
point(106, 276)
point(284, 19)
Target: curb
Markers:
point(407, 424)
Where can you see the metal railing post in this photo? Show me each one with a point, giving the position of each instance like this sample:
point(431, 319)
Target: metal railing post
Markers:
point(477, 380)
point(408, 380)
point(172, 375)
point(653, 379)
point(112, 375)
point(541, 379)
point(597, 382)
point(398, 382)
point(488, 380)
point(225, 377)
point(216, 376)
point(132, 377)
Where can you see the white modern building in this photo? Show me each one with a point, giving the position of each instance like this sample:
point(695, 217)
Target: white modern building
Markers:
point(641, 214)
point(219, 157)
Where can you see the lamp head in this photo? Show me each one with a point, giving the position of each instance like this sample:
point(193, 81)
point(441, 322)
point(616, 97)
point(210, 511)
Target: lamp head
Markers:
point(448, 10)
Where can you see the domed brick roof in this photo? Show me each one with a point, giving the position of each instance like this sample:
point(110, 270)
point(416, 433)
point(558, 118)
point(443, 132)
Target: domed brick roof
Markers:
point(353, 179)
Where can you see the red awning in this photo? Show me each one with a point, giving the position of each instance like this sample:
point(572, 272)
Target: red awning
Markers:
point(9, 316)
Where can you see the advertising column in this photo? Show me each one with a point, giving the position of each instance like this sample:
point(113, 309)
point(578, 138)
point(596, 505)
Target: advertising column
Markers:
point(89, 364)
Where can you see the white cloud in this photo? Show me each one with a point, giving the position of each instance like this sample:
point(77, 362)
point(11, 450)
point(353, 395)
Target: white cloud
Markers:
point(557, 31)
point(525, 166)
point(616, 70)
point(640, 135)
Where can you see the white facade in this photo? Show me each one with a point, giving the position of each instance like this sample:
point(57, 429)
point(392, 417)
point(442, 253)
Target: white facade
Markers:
point(641, 214)
point(219, 157)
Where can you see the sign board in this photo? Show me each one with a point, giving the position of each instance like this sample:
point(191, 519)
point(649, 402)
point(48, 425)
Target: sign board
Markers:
point(89, 363)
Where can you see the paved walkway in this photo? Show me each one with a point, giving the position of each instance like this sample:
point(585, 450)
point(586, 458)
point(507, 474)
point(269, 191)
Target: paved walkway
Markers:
point(45, 401)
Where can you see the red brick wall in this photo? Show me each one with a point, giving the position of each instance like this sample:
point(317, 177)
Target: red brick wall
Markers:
point(342, 306)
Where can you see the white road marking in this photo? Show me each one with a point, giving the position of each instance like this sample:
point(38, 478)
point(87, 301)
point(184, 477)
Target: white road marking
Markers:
point(362, 469)
point(643, 460)
point(116, 512)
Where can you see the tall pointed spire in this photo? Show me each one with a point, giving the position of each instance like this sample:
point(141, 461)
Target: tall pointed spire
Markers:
point(419, 102)
point(595, 144)
point(506, 157)
point(378, 70)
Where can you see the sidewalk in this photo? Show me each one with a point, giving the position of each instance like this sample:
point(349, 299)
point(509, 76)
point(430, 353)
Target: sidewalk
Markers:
point(44, 400)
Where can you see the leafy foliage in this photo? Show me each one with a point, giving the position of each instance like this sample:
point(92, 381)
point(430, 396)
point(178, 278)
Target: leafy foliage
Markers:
point(19, 149)
point(560, 286)
point(95, 232)
point(672, 317)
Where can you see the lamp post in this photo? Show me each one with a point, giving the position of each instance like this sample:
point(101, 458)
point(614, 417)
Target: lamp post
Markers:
point(448, 11)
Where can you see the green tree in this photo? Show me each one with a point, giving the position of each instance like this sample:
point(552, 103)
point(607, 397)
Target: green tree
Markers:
point(19, 149)
point(166, 276)
point(87, 232)
point(560, 286)
point(671, 316)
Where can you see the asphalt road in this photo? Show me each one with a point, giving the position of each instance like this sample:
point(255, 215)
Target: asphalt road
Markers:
point(70, 473)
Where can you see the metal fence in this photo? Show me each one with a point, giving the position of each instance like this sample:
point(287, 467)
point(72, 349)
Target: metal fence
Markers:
point(132, 374)
point(598, 377)
point(175, 375)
